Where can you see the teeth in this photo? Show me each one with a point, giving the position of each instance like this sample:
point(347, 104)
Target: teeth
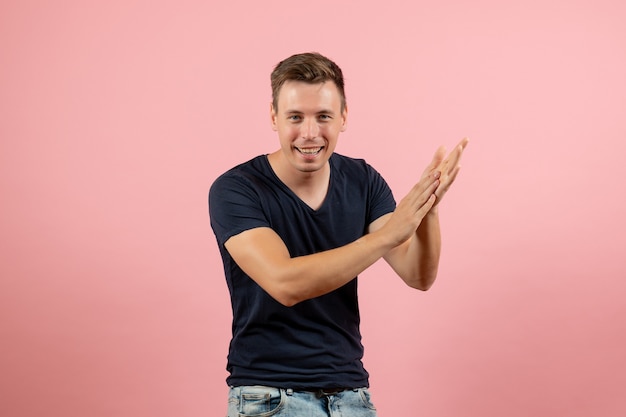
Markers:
point(309, 151)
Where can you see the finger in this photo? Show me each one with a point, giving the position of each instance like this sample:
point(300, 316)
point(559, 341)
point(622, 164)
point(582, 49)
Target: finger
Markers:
point(460, 147)
point(425, 208)
point(436, 161)
point(453, 175)
point(425, 182)
point(445, 186)
point(463, 143)
point(452, 168)
point(453, 159)
point(439, 155)
point(427, 194)
point(422, 191)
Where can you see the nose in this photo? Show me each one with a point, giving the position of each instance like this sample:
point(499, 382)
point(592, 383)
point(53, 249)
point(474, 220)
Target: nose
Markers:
point(309, 128)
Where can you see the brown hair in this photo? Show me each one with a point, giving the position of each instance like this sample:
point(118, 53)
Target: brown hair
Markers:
point(310, 67)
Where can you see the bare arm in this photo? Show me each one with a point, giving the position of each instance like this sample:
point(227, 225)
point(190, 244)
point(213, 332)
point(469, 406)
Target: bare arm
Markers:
point(416, 261)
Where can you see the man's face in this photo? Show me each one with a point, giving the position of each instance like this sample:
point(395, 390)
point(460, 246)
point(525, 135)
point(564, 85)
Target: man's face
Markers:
point(308, 121)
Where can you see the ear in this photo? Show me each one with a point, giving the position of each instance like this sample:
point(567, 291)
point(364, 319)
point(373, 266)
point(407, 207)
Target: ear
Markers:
point(273, 117)
point(344, 119)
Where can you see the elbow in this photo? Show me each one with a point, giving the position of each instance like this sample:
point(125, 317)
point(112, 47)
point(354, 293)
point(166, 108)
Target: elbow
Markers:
point(289, 289)
point(280, 288)
point(421, 285)
point(286, 297)
point(422, 282)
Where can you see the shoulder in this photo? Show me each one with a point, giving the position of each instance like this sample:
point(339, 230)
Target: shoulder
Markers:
point(246, 174)
point(250, 168)
point(343, 162)
point(237, 199)
point(346, 161)
point(354, 168)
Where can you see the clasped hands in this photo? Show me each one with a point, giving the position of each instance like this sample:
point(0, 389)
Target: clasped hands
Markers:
point(447, 168)
point(427, 193)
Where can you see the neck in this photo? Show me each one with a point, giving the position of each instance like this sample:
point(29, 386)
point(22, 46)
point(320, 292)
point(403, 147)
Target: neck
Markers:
point(309, 186)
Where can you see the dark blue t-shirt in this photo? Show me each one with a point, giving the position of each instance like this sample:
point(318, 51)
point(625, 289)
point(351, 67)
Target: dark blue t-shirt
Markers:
point(317, 342)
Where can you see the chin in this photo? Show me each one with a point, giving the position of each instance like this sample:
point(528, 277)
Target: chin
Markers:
point(310, 167)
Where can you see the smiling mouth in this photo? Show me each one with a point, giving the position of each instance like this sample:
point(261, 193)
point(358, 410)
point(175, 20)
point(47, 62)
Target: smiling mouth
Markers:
point(310, 151)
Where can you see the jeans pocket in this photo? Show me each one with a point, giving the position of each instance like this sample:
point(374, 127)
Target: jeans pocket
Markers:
point(257, 401)
point(366, 397)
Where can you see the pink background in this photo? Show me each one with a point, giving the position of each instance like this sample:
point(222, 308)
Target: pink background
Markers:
point(116, 116)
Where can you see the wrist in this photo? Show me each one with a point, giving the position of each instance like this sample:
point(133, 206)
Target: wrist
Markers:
point(429, 223)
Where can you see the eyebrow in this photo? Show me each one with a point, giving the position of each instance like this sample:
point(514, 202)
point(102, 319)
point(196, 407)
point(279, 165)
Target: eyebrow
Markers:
point(323, 111)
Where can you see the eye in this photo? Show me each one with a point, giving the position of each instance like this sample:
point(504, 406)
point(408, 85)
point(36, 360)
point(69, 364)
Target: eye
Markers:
point(324, 117)
point(294, 118)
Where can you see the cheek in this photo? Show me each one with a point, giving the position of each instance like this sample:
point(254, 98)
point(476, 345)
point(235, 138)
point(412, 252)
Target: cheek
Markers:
point(287, 132)
point(332, 132)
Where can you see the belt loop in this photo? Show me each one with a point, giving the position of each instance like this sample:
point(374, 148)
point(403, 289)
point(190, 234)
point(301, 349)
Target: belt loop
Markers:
point(289, 391)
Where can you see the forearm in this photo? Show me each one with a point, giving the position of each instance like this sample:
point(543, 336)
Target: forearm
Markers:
point(291, 280)
point(310, 276)
point(326, 271)
point(417, 262)
point(429, 249)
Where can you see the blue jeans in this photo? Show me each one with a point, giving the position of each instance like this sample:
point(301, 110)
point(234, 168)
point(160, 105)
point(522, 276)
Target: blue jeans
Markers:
point(259, 401)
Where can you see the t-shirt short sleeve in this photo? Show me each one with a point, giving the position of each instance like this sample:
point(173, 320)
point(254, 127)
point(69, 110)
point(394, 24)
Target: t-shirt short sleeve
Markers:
point(382, 201)
point(234, 207)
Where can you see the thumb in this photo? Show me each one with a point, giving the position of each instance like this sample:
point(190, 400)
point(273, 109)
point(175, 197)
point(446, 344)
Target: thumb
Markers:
point(437, 159)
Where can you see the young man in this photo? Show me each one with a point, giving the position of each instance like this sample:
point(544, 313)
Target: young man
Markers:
point(295, 228)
